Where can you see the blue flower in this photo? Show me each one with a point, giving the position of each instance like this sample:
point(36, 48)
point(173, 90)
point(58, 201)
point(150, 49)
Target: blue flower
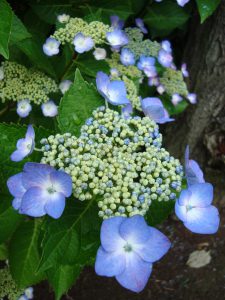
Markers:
point(176, 98)
point(193, 172)
point(51, 47)
point(182, 2)
point(40, 190)
point(195, 210)
point(127, 57)
point(23, 108)
point(165, 58)
point(116, 23)
point(166, 45)
point(128, 248)
point(184, 70)
point(154, 109)
point(113, 91)
point(65, 85)
point(192, 97)
point(24, 146)
point(127, 111)
point(139, 23)
point(49, 109)
point(29, 292)
point(82, 43)
point(145, 62)
point(117, 38)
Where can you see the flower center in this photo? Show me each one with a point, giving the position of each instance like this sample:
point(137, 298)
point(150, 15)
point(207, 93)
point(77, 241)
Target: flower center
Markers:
point(51, 190)
point(127, 248)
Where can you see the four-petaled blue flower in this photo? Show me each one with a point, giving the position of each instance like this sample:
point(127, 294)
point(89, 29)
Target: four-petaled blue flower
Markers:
point(154, 109)
point(82, 43)
point(193, 172)
point(51, 47)
point(165, 58)
point(24, 146)
point(195, 210)
point(128, 248)
point(49, 109)
point(116, 23)
point(113, 91)
point(127, 57)
point(117, 38)
point(139, 23)
point(23, 108)
point(40, 190)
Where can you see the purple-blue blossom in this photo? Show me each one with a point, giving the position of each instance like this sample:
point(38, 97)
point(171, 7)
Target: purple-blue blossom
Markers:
point(49, 109)
point(40, 190)
point(51, 46)
point(128, 249)
point(194, 209)
point(154, 109)
point(24, 146)
point(127, 57)
point(23, 108)
point(182, 2)
point(192, 97)
point(193, 172)
point(117, 39)
point(165, 58)
point(113, 91)
point(145, 62)
point(176, 98)
point(127, 111)
point(82, 43)
point(184, 70)
point(140, 24)
point(166, 45)
point(116, 22)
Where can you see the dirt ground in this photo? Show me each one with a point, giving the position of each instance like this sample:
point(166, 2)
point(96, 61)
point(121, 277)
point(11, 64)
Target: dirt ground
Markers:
point(172, 278)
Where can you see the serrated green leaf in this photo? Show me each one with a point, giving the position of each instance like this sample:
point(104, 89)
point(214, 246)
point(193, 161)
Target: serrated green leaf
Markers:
point(19, 31)
point(159, 211)
point(3, 252)
point(73, 238)
point(62, 277)
point(23, 254)
point(206, 8)
point(6, 17)
point(77, 105)
point(164, 17)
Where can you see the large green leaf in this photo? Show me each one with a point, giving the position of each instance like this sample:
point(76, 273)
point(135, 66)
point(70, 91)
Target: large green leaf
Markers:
point(23, 254)
point(6, 17)
point(164, 17)
point(72, 239)
point(19, 31)
point(77, 105)
point(62, 277)
point(3, 252)
point(159, 211)
point(206, 8)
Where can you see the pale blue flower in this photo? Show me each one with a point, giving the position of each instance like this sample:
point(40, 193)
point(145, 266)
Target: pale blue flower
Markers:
point(82, 43)
point(127, 57)
point(23, 108)
point(128, 248)
point(51, 46)
point(127, 111)
point(166, 45)
point(65, 85)
point(154, 109)
point(145, 62)
point(117, 39)
point(193, 172)
point(192, 97)
point(24, 146)
point(113, 91)
point(194, 209)
point(182, 2)
point(49, 109)
point(176, 98)
point(40, 190)
point(165, 58)
point(184, 70)
point(139, 23)
point(116, 23)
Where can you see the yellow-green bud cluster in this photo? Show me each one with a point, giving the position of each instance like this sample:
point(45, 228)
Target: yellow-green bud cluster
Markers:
point(139, 46)
point(132, 92)
point(119, 160)
point(8, 288)
point(20, 83)
point(96, 30)
point(173, 82)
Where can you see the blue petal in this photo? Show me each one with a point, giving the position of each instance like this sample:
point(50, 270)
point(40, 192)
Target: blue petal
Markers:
point(62, 182)
point(203, 220)
point(181, 211)
point(36, 174)
point(135, 230)
point(136, 274)
point(102, 81)
point(156, 113)
point(109, 263)
point(30, 132)
point(194, 173)
point(116, 93)
point(155, 247)
point(15, 185)
point(201, 194)
point(110, 236)
point(55, 205)
point(19, 155)
point(33, 203)
point(16, 204)
point(184, 198)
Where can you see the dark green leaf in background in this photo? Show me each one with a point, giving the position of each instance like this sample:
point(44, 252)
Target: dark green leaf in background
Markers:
point(206, 8)
point(6, 18)
point(159, 211)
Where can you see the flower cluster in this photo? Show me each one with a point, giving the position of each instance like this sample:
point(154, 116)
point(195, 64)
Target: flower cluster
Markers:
point(120, 160)
point(8, 287)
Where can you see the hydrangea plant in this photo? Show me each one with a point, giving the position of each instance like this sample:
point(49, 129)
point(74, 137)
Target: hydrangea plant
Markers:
point(84, 187)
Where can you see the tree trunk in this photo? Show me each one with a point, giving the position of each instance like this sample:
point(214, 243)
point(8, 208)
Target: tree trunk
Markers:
point(202, 127)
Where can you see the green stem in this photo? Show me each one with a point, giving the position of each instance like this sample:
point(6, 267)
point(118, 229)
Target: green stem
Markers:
point(37, 149)
point(4, 110)
point(68, 66)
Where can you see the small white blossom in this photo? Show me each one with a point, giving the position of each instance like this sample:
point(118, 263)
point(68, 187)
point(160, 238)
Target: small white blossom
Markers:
point(99, 53)
point(65, 85)
point(63, 18)
point(23, 108)
point(49, 109)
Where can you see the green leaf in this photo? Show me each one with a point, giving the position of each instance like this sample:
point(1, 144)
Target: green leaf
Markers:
point(162, 18)
point(159, 211)
point(206, 8)
point(6, 17)
point(72, 239)
point(174, 110)
point(19, 31)
point(23, 254)
point(3, 252)
point(62, 277)
point(77, 105)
